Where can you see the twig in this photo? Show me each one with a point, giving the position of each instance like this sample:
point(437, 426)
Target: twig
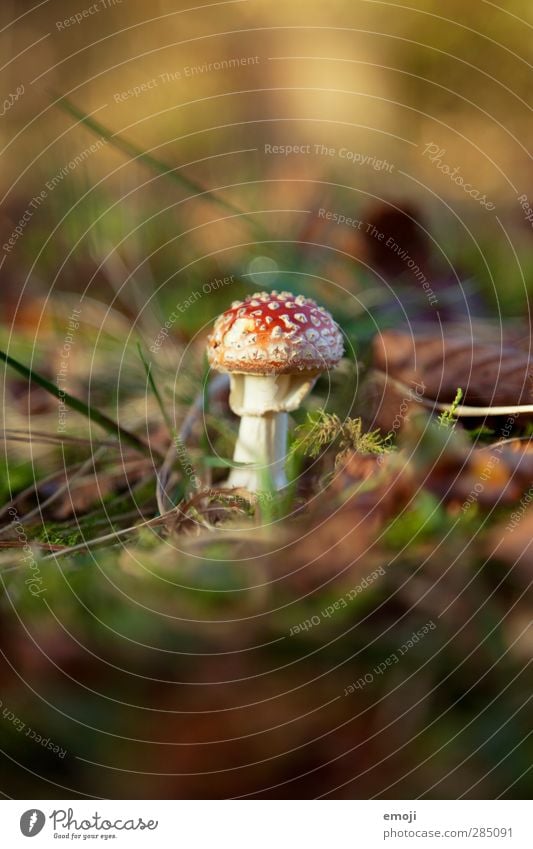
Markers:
point(163, 476)
point(460, 409)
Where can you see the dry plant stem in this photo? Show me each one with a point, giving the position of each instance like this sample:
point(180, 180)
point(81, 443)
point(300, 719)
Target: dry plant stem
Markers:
point(31, 489)
point(164, 503)
point(112, 537)
point(118, 274)
point(87, 464)
point(457, 409)
point(90, 543)
point(38, 436)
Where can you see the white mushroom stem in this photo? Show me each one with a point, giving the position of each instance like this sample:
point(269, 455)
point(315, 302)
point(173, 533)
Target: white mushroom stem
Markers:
point(262, 443)
point(263, 402)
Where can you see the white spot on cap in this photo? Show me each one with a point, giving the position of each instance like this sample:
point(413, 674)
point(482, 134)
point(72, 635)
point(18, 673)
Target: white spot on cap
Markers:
point(240, 327)
point(287, 322)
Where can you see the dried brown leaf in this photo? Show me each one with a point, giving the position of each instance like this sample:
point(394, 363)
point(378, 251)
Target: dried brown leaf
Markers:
point(488, 374)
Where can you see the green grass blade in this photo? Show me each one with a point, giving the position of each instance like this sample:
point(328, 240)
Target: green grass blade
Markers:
point(221, 463)
point(91, 413)
point(154, 388)
point(152, 162)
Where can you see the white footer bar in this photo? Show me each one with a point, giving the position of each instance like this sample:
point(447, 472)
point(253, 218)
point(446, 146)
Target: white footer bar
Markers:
point(273, 824)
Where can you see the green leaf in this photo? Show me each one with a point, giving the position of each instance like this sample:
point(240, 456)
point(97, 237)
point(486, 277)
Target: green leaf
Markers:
point(153, 386)
point(91, 413)
point(152, 162)
point(448, 418)
point(220, 463)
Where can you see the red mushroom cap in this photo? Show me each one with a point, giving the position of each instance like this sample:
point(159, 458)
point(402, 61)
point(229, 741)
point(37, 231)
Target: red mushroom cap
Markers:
point(271, 333)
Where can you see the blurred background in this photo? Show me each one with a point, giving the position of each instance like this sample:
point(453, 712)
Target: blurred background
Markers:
point(158, 162)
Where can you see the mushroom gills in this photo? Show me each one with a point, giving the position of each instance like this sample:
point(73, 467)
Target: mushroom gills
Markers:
point(256, 394)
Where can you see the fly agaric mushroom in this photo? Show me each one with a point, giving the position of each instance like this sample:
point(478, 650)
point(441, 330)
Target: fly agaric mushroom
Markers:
point(273, 346)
